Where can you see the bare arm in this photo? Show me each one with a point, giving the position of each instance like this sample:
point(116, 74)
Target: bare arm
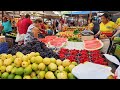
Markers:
point(90, 15)
point(98, 33)
point(118, 32)
point(35, 32)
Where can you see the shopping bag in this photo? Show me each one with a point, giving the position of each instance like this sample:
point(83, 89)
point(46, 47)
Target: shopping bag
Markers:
point(90, 70)
point(19, 37)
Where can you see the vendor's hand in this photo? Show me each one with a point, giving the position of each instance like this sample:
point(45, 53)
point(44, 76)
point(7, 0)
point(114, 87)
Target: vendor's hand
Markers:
point(96, 35)
point(103, 36)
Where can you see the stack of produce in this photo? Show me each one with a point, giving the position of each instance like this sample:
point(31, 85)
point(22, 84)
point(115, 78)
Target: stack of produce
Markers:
point(35, 46)
point(81, 56)
point(54, 41)
point(68, 34)
point(74, 28)
point(33, 66)
point(117, 40)
point(11, 35)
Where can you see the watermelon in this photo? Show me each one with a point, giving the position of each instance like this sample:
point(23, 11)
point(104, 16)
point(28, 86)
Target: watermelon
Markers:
point(94, 44)
point(50, 37)
point(54, 41)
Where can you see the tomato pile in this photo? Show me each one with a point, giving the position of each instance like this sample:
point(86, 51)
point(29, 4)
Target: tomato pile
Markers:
point(97, 58)
point(81, 56)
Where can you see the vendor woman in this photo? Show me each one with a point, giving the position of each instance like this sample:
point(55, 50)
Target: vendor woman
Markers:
point(33, 31)
point(106, 31)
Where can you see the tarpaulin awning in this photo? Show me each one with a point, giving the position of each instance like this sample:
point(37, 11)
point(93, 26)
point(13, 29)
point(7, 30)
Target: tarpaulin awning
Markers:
point(81, 12)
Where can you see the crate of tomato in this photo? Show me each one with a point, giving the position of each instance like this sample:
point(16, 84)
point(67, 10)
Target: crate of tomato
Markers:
point(82, 56)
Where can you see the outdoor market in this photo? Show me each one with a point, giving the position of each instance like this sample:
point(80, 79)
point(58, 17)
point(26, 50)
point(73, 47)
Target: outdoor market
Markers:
point(59, 44)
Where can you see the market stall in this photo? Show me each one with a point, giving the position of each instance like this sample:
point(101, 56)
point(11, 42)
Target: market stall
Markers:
point(72, 54)
point(54, 59)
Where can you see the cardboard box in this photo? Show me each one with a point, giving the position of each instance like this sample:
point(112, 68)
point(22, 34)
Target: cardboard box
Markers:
point(10, 42)
point(2, 39)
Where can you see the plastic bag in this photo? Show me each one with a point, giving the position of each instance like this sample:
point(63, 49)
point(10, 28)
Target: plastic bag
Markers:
point(90, 70)
point(19, 37)
point(114, 60)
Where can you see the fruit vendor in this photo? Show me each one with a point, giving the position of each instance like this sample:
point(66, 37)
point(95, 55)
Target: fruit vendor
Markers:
point(7, 27)
point(33, 31)
point(107, 29)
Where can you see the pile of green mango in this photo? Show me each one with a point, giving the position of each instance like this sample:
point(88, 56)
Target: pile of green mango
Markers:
point(73, 39)
point(117, 40)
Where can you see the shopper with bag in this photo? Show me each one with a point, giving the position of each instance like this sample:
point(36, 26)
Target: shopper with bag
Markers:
point(107, 29)
point(33, 31)
point(20, 33)
point(22, 25)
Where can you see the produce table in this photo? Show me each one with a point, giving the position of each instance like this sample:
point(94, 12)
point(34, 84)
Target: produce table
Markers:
point(70, 54)
point(10, 40)
point(79, 46)
point(74, 28)
point(74, 45)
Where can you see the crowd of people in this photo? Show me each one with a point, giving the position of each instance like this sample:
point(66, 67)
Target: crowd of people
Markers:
point(27, 29)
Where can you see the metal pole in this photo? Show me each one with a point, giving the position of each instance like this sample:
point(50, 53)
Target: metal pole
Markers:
point(2, 15)
point(13, 14)
point(43, 16)
point(71, 13)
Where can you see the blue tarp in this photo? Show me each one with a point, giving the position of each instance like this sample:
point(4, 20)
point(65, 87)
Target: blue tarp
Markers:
point(81, 12)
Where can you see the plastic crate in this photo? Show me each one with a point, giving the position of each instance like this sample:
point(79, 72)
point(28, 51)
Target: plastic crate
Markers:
point(3, 47)
point(10, 42)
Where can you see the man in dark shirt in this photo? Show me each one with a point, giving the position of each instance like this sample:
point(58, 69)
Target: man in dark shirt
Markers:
point(96, 27)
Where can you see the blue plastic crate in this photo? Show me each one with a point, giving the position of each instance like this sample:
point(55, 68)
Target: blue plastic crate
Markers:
point(3, 47)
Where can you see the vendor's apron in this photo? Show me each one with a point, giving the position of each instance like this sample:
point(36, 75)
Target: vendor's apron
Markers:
point(106, 42)
point(106, 45)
